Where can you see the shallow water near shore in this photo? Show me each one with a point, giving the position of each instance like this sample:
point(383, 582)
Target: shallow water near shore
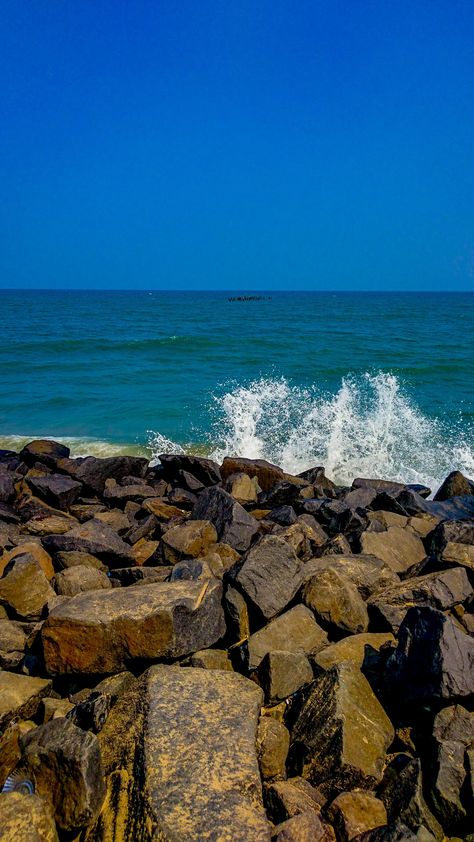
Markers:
point(373, 384)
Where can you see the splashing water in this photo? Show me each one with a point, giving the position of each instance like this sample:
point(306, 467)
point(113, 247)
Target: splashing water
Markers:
point(368, 428)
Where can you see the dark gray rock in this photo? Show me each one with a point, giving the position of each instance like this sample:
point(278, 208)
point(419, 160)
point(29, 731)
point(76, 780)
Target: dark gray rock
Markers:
point(402, 793)
point(205, 471)
point(92, 537)
point(66, 764)
point(56, 489)
point(455, 485)
point(283, 515)
point(233, 524)
point(42, 450)
point(434, 660)
point(7, 487)
point(94, 472)
point(270, 575)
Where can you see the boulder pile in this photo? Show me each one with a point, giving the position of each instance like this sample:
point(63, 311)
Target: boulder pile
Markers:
point(192, 651)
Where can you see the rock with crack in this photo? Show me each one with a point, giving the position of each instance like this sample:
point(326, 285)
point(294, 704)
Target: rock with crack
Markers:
point(103, 631)
point(174, 768)
point(341, 733)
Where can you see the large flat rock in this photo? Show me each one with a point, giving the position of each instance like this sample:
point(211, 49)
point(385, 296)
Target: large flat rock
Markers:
point(179, 752)
point(102, 631)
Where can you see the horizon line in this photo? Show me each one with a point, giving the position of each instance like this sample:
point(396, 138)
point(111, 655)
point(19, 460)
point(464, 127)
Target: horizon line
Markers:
point(233, 291)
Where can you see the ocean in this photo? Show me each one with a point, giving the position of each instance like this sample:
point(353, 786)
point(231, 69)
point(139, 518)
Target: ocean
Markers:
point(367, 384)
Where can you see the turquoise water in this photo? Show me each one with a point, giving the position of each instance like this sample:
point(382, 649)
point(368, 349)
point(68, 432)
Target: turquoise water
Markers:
point(378, 383)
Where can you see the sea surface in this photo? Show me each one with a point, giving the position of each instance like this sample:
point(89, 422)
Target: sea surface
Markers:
point(367, 384)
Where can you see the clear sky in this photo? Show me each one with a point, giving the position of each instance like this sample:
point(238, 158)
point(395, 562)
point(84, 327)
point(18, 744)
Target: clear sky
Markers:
point(239, 144)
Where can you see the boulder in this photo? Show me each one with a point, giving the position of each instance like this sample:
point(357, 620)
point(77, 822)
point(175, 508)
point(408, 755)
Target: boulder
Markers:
point(209, 659)
point(116, 519)
point(80, 578)
point(270, 575)
point(233, 524)
point(368, 573)
point(94, 472)
point(20, 696)
point(452, 542)
point(55, 708)
point(285, 799)
point(7, 487)
point(66, 766)
point(336, 601)
point(455, 485)
point(352, 813)
point(174, 768)
point(102, 631)
point(441, 590)
point(457, 508)
point(92, 537)
point(49, 523)
point(341, 733)
point(188, 540)
point(399, 548)
point(12, 644)
point(64, 560)
point(453, 734)
point(90, 713)
point(434, 660)
point(242, 488)
point(353, 649)
point(284, 493)
point(119, 495)
point(304, 827)
point(273, 742)
point(266, 474)
point(34, 550)
point(26, 819)
point(283, 515)
point(280, 674)
point(402, 793)
point(56, 489)
point(24, 589)
point(162, 510)
point(294, 631)
point(204, 470)
point(45, 451)
point(237, 615)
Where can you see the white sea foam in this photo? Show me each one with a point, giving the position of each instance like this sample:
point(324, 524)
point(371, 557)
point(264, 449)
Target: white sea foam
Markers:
point(368, 428)
point(79, 445)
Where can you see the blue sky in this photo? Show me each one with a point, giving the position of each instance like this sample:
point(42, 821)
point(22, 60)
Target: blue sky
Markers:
point(255, 144)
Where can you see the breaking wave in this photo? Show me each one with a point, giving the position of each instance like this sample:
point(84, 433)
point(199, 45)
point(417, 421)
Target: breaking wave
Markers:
point(370, 427)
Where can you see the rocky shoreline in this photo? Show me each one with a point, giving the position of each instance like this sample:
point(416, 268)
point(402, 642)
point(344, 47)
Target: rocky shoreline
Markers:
point(199, 652)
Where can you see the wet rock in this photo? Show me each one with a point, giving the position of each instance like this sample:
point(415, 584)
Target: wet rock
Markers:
point(399, 548)
point(45, 451)
point(34, 550)
point(439, 590)
point(402, 793)
point(78, 579)
point(455, 485)
point(433, 659)
point(188, 540)
point(341, 734)
point(336, 601)
point(353, 649)
point(66, 764)
point(182, 499)
point(266, 474)
point(24, 589)
point(233, 524)
point(119, 495)
point(20, 696)
point(95, 538)
point(368, 573)
point(270, 575)
point(56, 489)
point(205, 470)
point(26, 819)
point(304, 827)
point(360, 497)
point(101, 631)
point(286, 799)
point(242, 488)
point(273, 742)
point(352, 813)
point(280, 674)
point(294, 631)
point(174, 768)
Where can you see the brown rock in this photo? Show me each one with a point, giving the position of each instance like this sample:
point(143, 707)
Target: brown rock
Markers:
point(356, 812)
point(242, 488)
point(74, 558)
point(455, 485)
point(80, 578)
point(94, 472)
point(401, 549)
point(92, 537)
point(265, 473)
point(294, 631)
point(286, 799)
point(35, 550)
point(20, 696)
point(368, 573)
point(237, 615)
point(304, 827)
point(12, 644)
point(352, 649)
point(188, 540)
point(49, 523)
point(56, 489)
point(101, 631)
point(162, 510)
point(336, 601)
point(26, 819)
point(280, 674)
point(273, 742)
point(24, 588)
point(146, 552)
point(45, 451)
point(116, 519)
point(341, 733)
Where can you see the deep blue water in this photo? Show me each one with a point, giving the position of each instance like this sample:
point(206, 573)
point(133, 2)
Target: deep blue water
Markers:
point(379, 381)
